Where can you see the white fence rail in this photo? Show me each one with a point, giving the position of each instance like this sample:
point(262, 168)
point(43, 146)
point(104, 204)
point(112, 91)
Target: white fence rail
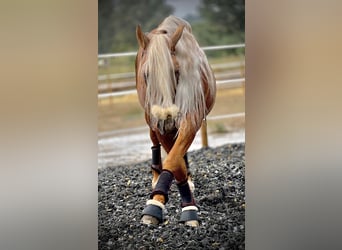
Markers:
point(134, 53)
point(106, 77)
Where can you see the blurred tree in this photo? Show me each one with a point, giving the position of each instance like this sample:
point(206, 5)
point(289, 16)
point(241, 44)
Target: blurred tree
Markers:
point(227, 15)
point(104, 24)
point(118, 19)
point(221, 22)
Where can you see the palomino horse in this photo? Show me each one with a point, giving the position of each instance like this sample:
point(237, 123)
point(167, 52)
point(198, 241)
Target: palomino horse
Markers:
point(177, 89)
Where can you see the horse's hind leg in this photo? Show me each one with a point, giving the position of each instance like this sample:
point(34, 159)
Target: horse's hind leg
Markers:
point(156, 164)
point(178, 164)
point(174, 167)
point(153, 213)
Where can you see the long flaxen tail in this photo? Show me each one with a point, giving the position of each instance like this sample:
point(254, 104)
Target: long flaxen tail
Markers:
point(165, 117)
point(161, 85)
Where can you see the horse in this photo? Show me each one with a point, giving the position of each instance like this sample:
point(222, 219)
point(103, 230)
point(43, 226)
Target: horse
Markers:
point(176, 88)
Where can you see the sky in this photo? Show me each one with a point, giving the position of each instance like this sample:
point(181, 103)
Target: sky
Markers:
point(184, 7)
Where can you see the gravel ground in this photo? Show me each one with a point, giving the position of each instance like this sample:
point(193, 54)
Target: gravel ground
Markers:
point(219, 177)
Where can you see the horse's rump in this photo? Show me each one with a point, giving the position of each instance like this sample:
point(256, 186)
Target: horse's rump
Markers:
point(177, 85)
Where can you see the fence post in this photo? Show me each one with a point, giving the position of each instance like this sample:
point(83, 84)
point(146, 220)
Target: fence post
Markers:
point(204, 134)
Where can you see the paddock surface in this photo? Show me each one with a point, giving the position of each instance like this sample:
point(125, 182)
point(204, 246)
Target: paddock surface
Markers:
point(219, 177)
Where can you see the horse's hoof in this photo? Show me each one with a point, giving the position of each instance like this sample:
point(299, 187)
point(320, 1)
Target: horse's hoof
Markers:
point(149, 220)
point(192, 223)
point(153, 213)
point(189, 216)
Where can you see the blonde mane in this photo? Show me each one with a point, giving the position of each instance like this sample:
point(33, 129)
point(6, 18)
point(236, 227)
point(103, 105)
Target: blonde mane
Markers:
point(186, 98)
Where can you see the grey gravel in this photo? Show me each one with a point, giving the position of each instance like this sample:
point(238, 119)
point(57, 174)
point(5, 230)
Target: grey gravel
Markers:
point(219, 177)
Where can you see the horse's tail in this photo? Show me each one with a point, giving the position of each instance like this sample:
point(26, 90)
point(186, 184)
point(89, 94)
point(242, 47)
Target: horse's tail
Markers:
point(165, 118)
point(161, 85)
point(160, 101)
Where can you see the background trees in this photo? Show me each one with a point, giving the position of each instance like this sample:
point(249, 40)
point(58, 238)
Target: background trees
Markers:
point(221, 22)
point(217, 22)
point(118, 19)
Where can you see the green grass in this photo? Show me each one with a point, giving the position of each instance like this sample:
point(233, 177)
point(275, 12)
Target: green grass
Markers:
point(117, 65)
point(219, 128)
